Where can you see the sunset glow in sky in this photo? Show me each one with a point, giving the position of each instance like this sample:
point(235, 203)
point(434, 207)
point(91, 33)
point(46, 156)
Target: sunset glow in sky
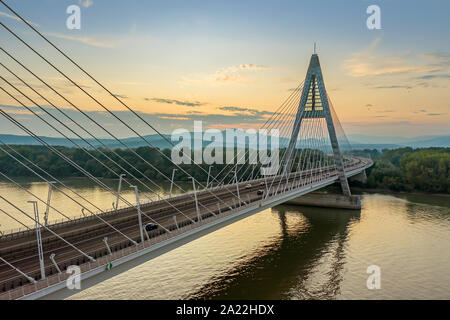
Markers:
point(232, 63)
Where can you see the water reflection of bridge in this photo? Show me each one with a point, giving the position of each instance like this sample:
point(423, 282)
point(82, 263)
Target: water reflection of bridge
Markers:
point(284, 270)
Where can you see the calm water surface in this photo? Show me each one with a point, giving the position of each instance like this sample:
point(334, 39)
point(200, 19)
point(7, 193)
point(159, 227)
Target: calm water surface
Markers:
point(286, 252)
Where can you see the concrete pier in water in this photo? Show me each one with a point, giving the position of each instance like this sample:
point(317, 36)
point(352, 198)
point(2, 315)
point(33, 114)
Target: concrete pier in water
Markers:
point(328, 200)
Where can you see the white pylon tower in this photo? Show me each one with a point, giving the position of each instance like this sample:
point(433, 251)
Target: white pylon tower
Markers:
point(314, 104)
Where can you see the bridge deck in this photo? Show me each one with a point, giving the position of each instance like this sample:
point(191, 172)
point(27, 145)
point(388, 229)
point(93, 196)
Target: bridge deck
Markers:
point(88, 233)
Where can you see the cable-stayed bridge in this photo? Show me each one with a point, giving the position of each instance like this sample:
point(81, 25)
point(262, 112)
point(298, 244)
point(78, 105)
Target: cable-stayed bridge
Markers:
point(102, 243)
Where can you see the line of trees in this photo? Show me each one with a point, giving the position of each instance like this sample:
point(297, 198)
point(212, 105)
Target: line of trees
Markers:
point(58, 167)
point(160, 169)
point(403, 169)
point(407, 169)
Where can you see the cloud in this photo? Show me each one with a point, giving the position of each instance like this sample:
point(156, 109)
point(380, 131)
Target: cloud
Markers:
point(172, 117)
point(7, 15)
point(248, 66)
point(213, 118)
point(237, 117)
point(86, 3)
point(121, 96)
point(434, 76)
point(229, 78)
point(235, 109)
point(241, 111)
point(408, 86)
point(228, 75)
point(177, 102)
point(370, 63)
point(393, 87)
point(86, 40)
point(13, 110)
point(438, 59)
point(233, 73)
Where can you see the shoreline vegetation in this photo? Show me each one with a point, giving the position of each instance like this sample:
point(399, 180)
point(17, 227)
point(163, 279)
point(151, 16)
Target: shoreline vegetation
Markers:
point(355, 190)
point(424, 170)
point(402, 170)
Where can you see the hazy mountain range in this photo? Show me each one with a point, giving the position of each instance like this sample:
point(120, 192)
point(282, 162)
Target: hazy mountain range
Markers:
point(356, 141)
point(396, 142)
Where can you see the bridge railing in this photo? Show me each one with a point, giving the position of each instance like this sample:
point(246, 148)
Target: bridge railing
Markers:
point(103, 261)
point(18, 232)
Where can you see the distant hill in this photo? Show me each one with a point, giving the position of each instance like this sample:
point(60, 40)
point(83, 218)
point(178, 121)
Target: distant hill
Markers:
point(356, 141)
point(155, 140)
point(439, 141)
point(397, 142)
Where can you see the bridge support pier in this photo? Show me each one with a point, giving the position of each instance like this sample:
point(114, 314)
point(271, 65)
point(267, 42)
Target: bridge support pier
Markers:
point(361, 177)
point(328, 200)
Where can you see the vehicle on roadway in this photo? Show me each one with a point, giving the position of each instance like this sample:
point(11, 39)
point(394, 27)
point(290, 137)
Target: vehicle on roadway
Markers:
point(151, 226)
point(248, 186)
point(260, 192)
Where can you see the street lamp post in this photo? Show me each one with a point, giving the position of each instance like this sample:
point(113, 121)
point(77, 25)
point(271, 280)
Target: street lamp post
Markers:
point(171, 181)
point(118, 190)
point(39, 238)
point(47, 209)
point(52, 257)
point(209, 174)
point(237, 185)
point(138, 206)
point(196, 201)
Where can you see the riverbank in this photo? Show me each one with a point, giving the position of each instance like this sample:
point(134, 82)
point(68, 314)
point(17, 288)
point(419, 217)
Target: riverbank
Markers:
point(388, 191)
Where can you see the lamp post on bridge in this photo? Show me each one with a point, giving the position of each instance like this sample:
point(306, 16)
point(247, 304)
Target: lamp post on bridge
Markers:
point(171, 181)
point(209, 173)
point(175, 220)
point(138, 207)
point(118, 190)
point(39, 238)
point(253, 169)
point(237, 185)
point(196, 200)
point(47, 209)
point(267, 187)
point(105, 240)
point(52, 257)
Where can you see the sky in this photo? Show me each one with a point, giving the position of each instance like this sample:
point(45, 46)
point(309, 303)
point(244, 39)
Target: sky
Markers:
point(232, 63)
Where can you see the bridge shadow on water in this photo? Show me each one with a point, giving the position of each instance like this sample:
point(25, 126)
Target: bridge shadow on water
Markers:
point(305, 262)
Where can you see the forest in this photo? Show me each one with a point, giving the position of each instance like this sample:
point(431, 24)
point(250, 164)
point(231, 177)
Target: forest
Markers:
point(407, 169)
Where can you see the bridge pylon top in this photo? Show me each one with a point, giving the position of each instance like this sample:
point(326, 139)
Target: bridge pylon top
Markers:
point(314, 103)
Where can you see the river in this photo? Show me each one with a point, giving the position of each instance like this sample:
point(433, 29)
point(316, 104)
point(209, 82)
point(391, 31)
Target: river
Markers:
point(286, 252)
